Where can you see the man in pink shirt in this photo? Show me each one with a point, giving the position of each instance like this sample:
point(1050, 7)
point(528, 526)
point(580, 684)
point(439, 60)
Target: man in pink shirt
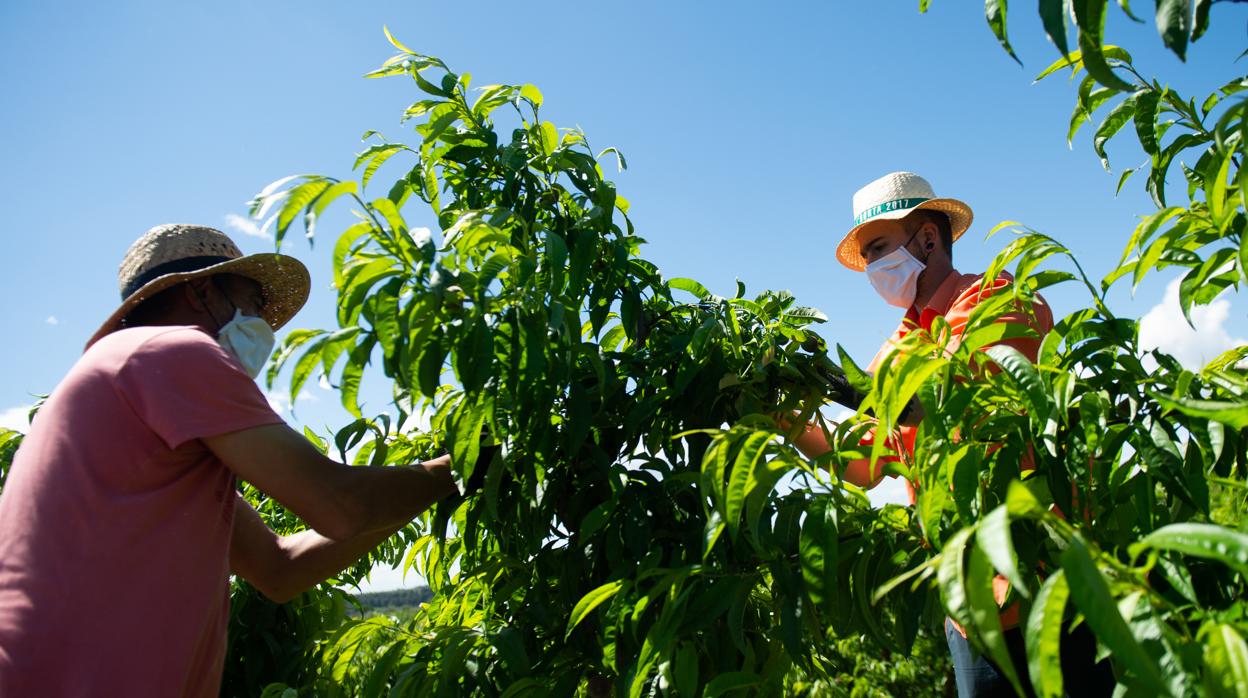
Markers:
point(119, 522)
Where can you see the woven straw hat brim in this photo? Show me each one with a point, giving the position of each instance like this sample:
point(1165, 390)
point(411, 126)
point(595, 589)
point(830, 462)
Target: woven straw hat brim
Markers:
point(284, 280)
point(960, 217)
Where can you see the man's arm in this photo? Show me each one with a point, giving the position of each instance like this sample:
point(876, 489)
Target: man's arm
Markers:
point(338, 501)
point(282, 567)
point(813, 443)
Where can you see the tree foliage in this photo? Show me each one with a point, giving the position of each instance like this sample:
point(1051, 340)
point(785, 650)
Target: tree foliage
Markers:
point(631, 536)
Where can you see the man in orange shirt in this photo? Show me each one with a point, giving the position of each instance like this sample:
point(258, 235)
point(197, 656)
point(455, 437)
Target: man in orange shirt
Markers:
point(903, 238)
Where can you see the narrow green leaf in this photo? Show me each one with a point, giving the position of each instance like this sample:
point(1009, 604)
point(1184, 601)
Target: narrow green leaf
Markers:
point(1091, 595)
point(698, 290)
point(353, 371)
point(1208, 541)
point(1122, 179)
point(1090, 18)
point(951, 578)
point(1201, 22)
point(987, 615)
point(1024, 373)
point(731, 681)
point(1053, 15)
point(819, 553)
point(1173, 20)
point(1233, 414)
point(1044, 636)
point(303, 367)
point(1126, 9)
point(995, 12)
point(395, 42)
point(376, 156)
point(590, 601)
point(1226, 663)
point(531, 93)
point(299, 198)
point(1072, 60)
point(742, 472)
point(1147, 104)
point(1116, 119)
point(995, 540)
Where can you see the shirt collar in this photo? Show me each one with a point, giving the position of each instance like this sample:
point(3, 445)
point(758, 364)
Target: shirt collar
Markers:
point(939, 302)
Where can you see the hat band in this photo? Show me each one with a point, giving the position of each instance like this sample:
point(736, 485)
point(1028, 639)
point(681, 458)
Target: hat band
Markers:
point(885, 207)
point(176, 266)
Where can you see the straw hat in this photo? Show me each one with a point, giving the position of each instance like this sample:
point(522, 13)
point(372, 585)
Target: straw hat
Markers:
point(895, 196)
point(170, 254)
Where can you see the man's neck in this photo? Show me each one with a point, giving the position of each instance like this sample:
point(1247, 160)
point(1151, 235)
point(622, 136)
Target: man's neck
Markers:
point(929, 282)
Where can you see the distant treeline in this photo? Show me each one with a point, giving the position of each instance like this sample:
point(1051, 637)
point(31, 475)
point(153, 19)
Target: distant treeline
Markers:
point(399, 598)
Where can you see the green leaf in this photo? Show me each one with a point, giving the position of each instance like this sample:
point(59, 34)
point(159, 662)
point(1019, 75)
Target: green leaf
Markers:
point(1208, 541)
point(303, 367)
point(740, 479)
point(376, 156)
point(293, 340)
point(430, 367)
point(1091, 595)
point(995, 12)
point(1226, 663)
point(1233, 414)
point(951, 578)
point(1053, 16)
point(987, 615)
point(819, 553)
point(995, 541)
point(1116, 119)
point(590, 601)
point(1201, 22)
point(1122, 179)
point(698, 290)
point(1072, 60)
point(299, 198)
point(1173, 19)
point(1090, 18)
point(731, 681)
point(395, 42)
point(1126, 9)
point(531, 93)
point(353, 371)
point(1023, 372)
point(1044, 636)
point(1147, 103)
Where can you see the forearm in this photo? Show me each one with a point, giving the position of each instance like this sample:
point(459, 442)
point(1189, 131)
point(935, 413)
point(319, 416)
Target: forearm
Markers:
point(308, 558)
point(384, 498)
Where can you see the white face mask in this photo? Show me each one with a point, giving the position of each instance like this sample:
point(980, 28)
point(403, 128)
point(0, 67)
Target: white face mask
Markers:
point(249, 339)
point(895, 277)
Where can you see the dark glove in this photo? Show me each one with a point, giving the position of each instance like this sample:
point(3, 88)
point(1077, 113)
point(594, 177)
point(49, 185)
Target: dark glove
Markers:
point(476, 481)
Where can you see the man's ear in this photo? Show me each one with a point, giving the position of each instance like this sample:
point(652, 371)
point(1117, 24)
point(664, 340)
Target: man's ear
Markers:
point(929, 236)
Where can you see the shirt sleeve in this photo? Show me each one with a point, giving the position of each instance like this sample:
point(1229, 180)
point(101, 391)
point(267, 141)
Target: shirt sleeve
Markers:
point(1040, 319)
point(184, 386)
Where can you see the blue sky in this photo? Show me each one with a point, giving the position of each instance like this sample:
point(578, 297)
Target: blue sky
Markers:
point(747, 128)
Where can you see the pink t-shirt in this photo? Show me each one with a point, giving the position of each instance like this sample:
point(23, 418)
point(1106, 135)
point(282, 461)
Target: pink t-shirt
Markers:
point(115, 522)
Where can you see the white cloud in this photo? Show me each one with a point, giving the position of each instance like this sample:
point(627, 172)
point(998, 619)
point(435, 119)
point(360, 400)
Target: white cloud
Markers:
point(279, 400)
point(1165, 328)
point(15, 418)
point(246, 226)
point(891, 490)
point(52, 320)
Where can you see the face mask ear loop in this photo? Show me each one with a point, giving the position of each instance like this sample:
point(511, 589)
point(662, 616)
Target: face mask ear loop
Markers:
point(215, 281)
point(928, 250)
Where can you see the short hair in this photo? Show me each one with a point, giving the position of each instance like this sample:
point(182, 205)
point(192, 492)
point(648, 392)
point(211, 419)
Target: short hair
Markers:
point(937, 218)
